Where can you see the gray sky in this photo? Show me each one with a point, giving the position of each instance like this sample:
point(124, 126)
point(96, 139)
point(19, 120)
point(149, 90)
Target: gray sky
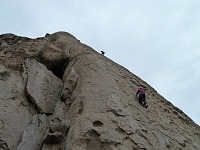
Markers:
point(158, 41)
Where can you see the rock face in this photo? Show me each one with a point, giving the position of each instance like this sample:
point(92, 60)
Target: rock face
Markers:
point(59, 94)
point(43, 88)
point(35, 133)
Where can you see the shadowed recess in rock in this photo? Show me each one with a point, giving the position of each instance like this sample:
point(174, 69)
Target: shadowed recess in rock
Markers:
point(97, 123)
point(59, 67)
point(53, 58)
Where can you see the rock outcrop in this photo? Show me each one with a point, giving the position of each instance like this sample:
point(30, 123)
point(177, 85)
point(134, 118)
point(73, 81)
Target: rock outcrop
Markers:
point(35, 133)
point(43, 88)
point(59, 94)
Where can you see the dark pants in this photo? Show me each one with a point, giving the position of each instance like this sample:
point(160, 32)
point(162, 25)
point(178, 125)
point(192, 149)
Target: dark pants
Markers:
point(142, 100)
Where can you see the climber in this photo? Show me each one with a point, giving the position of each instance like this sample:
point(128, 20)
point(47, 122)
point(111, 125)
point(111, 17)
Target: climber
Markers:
point(102, 53)
point(142, 100)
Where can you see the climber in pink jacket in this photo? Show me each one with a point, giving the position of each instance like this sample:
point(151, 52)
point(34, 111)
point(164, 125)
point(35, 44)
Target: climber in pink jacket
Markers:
point(142, 99)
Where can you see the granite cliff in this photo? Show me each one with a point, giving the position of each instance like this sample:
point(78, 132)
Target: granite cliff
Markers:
point(59, 94)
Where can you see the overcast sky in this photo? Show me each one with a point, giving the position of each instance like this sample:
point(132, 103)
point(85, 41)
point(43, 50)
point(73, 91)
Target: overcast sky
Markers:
point(157, 40)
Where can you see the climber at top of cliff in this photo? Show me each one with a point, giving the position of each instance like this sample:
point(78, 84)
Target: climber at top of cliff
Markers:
point(142, 98)
point(102, 53)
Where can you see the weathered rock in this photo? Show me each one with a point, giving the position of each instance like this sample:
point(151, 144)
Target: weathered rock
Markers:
point(3, 44)
point(59, 121)
point(15, 110)
point(3, 145)
point(70, 81)
point(35, 134)
point(16, 49)
point(11, 39)
point(4, 73)
point(58, 128)
point(98, 99)
point(43, 88)
point(53, 58)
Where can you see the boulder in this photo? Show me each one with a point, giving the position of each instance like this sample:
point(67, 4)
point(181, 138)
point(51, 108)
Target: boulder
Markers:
point(43, 88)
